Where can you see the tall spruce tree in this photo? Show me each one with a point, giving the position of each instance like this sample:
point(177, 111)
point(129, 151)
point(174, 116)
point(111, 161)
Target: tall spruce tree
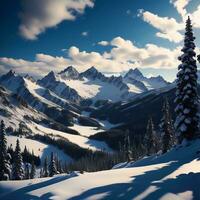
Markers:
point(52, 166)
point(45, 168)
point(26, 171)
point(18, 172)
point(127, 147)
point(33, 170)
point(166, 128)
point(5, 170)
point(151, 140)
point(187, 118)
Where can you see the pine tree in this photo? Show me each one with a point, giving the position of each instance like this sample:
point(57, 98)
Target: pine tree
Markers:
point(5, 170)
point(27, 171)
point(127, 147)
point(187, 118)
point(151, 140)
point(33, 170)
point(52, 166)
point(166, 128)
point(18, 172)
point(45, 168)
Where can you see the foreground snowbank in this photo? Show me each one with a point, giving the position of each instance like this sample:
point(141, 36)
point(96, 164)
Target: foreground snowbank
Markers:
point(174, 175)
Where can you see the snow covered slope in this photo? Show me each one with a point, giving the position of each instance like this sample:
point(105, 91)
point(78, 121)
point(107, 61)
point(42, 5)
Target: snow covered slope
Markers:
point(80, 140)
point(172, 176)
point(13, 110)
point(40, 149)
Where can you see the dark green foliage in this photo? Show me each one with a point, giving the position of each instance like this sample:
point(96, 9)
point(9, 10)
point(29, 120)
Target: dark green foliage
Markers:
point(52, 166)
point(45, 168)
point(33, 170)
point(151, 140)
point(26, 171)
point(5, 170)
point(29, 157)
point(111, 137)
point(18, 172)
point(166, 128)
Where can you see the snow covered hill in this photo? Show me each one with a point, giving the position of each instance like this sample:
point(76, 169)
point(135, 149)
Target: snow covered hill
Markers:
point(174, 175)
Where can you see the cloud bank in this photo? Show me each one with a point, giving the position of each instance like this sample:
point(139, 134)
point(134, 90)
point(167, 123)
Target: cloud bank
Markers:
point(123, 55)
point(37, 15)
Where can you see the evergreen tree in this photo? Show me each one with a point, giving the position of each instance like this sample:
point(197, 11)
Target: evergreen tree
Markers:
point(166, 128)
point(151, 139)
point(52, 166)
point(45, 168)
point(5, 170)
point(33, 170)
point(187, 118)
point(27, 172)
point(18, 172)
point(127, 147)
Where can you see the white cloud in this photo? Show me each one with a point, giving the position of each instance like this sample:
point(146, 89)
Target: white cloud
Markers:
point(169, 28)
point(122, 56)
point(37, 15)
point(103, 43)
point(195, 16)
point(84, 34)
point(180, 5)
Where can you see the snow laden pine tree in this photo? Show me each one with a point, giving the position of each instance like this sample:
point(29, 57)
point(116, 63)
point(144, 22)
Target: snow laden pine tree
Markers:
point(18, 172)
point(187, 118)
point(166, 128)
point(52, 166)
point(151, 140)
point(5, 170)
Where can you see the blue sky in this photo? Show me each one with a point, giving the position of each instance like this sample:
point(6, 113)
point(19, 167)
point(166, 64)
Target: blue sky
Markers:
point(40, 36)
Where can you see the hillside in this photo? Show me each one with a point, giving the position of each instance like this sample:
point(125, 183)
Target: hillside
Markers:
point(173, 176)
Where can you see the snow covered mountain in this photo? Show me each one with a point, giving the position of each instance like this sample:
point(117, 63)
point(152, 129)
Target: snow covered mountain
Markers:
point(145, 83)
point(53, 105)
point(70, 85)
point(16, 112)
point(91, 84)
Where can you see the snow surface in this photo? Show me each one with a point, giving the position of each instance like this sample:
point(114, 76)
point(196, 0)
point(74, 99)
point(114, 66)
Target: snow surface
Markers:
point(172, 176)
point(37, 91)
point(86, 130)
point(80, 140)
point(40, 149)
point(95, 89)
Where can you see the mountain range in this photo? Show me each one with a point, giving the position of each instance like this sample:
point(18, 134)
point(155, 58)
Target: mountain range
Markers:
point(78, 106)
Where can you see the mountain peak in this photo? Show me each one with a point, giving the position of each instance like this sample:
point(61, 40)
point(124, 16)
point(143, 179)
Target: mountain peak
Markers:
point(48, 78)
point(68, 69)
point(69, 73)
point(93, 73)
point(92, 70)
point(11, 73)
point(134, 73)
